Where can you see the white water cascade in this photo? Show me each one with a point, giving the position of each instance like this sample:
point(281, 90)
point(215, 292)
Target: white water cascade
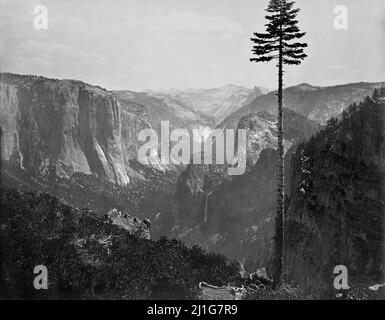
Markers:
point(206, 206)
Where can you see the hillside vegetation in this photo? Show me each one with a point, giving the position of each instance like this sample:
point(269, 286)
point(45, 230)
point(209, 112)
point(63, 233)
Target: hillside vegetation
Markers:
point(89, 257)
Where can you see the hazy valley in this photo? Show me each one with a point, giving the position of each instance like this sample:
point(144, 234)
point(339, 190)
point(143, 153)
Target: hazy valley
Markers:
point(80, 144)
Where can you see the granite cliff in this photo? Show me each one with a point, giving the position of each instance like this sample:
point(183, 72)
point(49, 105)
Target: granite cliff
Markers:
point(65, 126)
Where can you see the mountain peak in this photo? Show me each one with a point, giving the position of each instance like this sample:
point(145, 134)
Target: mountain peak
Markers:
point(305, 87)
point(231, 85)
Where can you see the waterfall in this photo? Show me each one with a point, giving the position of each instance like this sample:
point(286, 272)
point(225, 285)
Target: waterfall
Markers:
point(18, 150)
point(206, 206)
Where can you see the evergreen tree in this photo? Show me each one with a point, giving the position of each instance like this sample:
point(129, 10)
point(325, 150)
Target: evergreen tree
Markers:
point(279, 42)
point(376, 93)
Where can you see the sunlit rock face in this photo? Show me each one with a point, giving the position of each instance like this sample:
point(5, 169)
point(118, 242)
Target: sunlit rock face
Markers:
point(261, 132)
point(66, 126)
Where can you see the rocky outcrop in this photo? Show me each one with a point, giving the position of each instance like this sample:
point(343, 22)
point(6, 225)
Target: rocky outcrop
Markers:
point(261, 132)
point(335, 214)
point(132, 225)
point(65, 126)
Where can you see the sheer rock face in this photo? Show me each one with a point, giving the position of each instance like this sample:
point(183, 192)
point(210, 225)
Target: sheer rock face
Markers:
point(66, 126)
point(336, 208)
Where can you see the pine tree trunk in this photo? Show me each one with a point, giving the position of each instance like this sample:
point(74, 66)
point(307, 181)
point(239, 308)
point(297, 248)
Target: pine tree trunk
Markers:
point(279, 220)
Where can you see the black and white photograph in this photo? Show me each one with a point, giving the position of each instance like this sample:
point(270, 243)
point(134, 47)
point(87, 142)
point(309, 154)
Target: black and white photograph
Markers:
point(211, 151)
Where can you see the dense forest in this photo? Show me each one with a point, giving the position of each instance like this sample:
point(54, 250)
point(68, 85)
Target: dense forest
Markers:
point(335, 205)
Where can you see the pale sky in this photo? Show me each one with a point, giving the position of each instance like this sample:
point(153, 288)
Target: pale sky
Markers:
point(160, 44)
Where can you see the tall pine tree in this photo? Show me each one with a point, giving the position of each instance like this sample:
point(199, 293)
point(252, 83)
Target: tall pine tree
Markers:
point(279, 42)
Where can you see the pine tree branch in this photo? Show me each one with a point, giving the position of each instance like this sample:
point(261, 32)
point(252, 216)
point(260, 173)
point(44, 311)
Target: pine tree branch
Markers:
point(262, 59)
point(295, 45)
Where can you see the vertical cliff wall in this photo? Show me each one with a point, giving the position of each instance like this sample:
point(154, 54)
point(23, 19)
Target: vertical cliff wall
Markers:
point(64, 126)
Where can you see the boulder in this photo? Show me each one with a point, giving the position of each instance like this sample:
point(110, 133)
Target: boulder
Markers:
point(260, 276)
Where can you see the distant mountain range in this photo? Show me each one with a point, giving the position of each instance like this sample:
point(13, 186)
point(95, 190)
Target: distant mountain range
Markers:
point(166, 108)
point(316, 103)
point(193, 106)
point(216, 103)
point(224, 107)
point(67, 126)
